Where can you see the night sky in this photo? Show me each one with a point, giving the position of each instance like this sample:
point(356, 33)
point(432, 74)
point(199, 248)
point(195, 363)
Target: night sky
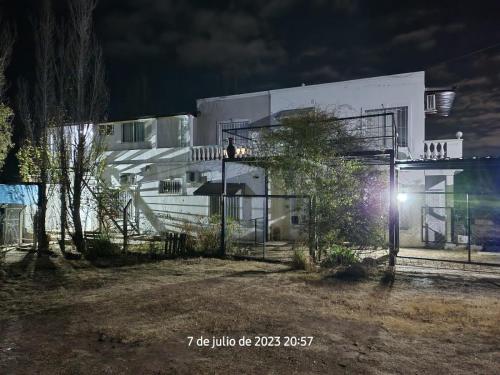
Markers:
point(161, 55)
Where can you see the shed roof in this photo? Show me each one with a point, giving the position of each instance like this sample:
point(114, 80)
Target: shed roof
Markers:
point(18, 194)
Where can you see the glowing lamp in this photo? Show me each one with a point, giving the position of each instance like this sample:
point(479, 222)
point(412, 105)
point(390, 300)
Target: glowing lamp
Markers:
point(402, 197)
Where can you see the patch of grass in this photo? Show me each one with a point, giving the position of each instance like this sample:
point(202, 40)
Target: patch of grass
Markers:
point(337, 255)
point(299, 260)
point(101, 247)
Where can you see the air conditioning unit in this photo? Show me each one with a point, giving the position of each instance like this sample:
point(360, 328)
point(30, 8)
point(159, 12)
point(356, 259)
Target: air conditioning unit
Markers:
point(430, 102)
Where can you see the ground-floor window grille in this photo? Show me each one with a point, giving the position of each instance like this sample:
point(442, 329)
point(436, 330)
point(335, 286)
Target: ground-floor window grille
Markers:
point(232, 208)
point(170, 186)
point(214, 205)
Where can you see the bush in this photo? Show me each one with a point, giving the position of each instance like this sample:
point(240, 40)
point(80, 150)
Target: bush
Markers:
point(300, 260)
point(208, 239)
point(101, 247)
point(337, 255)
point(204, 236)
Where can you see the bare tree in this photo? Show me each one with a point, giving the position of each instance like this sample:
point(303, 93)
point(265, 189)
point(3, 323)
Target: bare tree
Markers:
point(86, 106)
point(7, 37)
point(37, 115)
point(61, 135)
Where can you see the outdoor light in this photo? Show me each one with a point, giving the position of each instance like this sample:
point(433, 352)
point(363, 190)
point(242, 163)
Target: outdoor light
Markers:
point(402, 197)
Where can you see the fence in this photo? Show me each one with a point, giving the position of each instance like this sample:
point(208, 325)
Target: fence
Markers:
point(458, 227)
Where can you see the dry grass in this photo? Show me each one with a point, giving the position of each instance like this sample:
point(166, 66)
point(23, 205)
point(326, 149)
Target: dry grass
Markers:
point(72, 318)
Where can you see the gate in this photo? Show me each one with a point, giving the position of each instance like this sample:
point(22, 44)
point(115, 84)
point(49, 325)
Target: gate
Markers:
point(11, 226)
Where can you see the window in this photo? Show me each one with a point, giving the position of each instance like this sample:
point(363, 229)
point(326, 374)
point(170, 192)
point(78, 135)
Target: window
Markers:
point(298, 211)
point(106, 129)
point(381, 126)
point(430, 102)
point(127, 179)
point(195, 178)
point(229, 125)
point(232, 208)
point(133, 132)
point(170, 186)
point(214, 205)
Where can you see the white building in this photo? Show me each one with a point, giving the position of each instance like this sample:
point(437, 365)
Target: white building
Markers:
point(169, 166)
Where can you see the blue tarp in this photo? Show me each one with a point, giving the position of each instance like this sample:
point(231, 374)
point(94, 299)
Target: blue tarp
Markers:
point(18, 194)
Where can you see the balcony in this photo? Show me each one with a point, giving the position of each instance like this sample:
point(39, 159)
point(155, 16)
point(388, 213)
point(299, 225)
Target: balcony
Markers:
point(215, 152)
point(443, 149)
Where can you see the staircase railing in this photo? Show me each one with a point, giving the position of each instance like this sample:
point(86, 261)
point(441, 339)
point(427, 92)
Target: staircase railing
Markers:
point(123, 210)
point(106, 211)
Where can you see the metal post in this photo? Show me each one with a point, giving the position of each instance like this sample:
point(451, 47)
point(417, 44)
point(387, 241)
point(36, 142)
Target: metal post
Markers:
point(255, 231)
point(468, 227)
point(311, 238)
point(125, 229)
point(392, 252)
point(222, 210)
point(396, 217)
point(266, 213)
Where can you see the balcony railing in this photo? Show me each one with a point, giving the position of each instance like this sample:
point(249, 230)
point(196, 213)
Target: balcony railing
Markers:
point(443, 149)
point(215, 152)
point(202, 153)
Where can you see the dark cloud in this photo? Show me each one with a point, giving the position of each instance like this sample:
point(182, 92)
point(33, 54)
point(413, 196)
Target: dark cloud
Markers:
point(163, 54)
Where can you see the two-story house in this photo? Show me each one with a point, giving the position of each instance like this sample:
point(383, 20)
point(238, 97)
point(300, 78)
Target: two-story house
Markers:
point(171, 166)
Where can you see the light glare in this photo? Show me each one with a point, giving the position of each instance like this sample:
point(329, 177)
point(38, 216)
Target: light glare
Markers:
point(402, 197)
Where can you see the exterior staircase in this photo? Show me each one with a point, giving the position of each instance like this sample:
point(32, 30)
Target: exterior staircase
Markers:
point(117, 209)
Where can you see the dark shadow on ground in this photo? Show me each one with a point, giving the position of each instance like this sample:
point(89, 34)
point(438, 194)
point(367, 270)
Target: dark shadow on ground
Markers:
point(39, 268)
point(258, 273)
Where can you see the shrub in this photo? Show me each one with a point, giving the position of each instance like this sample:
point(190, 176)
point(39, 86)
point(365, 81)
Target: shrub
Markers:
point(299, 260)
point(101, 247)
point(204, 236)
point(339, 255)
point(208, 237)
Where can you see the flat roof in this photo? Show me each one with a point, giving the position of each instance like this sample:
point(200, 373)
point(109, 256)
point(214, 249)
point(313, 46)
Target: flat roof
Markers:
point(267, 92)
point(146, 117)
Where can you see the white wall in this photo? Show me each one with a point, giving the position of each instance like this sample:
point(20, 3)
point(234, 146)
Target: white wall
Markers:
point(352, 98)
point(114, 141)
point(348, 98)
point(252, 107)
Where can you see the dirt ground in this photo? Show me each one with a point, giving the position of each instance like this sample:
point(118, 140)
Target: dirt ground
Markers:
point(62, 317)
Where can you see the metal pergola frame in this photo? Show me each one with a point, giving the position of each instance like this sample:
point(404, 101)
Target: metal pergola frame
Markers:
point(388, 152)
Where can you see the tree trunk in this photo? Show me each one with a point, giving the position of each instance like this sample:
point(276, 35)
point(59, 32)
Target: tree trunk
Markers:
point(42, 238)
point(77, 236)
point(63, 220)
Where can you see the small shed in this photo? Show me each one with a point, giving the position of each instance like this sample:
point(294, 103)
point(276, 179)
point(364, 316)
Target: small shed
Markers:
point(17, 204)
